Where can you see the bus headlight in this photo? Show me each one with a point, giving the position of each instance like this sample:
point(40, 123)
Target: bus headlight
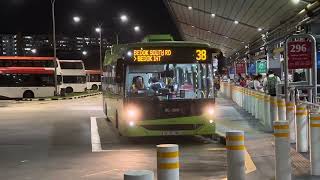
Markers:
point(132, 113)
point(210, 110)
point(131, 123)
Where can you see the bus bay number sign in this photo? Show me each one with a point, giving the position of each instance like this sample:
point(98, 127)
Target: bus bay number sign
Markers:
point(299, 55)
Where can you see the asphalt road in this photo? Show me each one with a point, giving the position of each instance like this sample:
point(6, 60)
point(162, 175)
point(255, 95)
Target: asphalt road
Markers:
point(52, 140)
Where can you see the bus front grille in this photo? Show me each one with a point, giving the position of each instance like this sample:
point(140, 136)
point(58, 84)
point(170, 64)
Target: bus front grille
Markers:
point(172, 127)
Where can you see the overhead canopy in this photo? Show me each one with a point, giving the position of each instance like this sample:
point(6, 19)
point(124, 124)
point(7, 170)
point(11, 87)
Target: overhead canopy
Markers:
point(230, 24)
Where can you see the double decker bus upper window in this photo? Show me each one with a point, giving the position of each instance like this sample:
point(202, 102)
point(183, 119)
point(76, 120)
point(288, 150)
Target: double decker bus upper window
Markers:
point(71, 65)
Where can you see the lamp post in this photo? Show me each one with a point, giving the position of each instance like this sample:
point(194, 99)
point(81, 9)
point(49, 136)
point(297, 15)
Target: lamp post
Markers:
point(54, 48)
point(98, 30)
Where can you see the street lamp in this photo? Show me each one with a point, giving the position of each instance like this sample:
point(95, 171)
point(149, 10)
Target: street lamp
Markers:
point(124, 18)
point(99, 30)
point(34, 51)
point(54, 48)
point(76, 19)
point(136, 28)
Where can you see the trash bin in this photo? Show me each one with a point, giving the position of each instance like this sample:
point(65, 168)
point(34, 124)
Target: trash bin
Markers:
point(63, 92)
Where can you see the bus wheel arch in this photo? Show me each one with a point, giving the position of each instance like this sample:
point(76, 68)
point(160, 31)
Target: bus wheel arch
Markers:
point(69, 90)
point(28, 94)
point(94, 87)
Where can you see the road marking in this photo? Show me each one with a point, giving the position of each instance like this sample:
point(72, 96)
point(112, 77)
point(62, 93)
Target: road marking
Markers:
point(119, 150)
point(101, 172)
point(95, 137)
point(250, 167)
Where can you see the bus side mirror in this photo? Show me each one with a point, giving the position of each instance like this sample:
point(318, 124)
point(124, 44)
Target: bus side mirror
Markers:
point(119, 71)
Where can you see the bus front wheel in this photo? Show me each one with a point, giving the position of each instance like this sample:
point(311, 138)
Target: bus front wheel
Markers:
point(28, 94)
point(69, 90)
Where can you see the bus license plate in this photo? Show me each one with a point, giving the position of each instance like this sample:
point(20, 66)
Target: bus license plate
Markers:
point(170, 133)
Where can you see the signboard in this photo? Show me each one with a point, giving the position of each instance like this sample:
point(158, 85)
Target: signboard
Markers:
point(231, 70)
point(299, 55)
point(261, 66)
point(240, 68)
point(168, 55)
point(252, 69)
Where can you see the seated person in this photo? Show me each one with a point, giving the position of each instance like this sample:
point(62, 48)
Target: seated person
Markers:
point(137, 84)
point(155, 84)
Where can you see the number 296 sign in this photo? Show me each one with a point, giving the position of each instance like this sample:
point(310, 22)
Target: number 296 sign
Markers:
point(299, 55)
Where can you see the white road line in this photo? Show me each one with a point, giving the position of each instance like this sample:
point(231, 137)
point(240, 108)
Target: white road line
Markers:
point(95, 137)
point(98, 173)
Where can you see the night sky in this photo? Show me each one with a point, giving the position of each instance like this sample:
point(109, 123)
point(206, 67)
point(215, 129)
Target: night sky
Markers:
point(34, 16)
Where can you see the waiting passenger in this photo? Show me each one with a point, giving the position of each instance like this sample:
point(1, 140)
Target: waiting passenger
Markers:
point(257, 83)
point(271, 83)
point(155, 84)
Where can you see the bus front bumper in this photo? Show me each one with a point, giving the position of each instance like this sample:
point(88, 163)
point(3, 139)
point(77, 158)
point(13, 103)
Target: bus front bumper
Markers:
point(182, 126)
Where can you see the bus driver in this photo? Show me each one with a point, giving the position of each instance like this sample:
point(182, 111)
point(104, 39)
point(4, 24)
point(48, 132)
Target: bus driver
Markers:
point(137, 84)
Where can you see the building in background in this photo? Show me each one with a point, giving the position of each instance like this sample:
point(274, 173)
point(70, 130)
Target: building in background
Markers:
point(68, 47)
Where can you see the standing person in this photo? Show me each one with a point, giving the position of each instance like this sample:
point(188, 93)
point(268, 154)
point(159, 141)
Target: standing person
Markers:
point(257, 83)
point(250, 82)
point(271, 82)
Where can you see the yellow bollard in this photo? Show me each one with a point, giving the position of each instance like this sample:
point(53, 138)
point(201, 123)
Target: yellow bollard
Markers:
point(168, 162)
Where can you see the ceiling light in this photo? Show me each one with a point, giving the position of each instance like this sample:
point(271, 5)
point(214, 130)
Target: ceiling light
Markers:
point(189, 7)
point(226, 37)
point(236, 22)
point(209, 31)
point(213, 15)
point(192, 26)
point(242, 42)
point(295, 1)
point(259, 29)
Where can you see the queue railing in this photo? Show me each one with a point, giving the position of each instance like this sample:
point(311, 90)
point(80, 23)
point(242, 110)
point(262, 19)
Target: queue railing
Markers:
point(303, 117)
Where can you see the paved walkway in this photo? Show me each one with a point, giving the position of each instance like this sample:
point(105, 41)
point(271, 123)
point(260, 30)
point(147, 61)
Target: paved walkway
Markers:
point(259, 144)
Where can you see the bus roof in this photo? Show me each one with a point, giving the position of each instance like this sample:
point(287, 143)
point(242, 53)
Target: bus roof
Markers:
point(70, 60)
point(25, 70)
point(93, 72)
point(24, 58)
point(119, 50)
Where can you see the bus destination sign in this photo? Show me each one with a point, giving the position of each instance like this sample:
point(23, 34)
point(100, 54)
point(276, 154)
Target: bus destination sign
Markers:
point(150, 55)
point(168, 55)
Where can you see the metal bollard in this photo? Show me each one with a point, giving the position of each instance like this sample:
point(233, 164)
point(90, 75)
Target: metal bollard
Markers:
point(245, 99)
point(261, 108)
point(168, 161)
point(138, 175)
point(282, 149)
point(273, 108)
point(302, 128)
point(235, 155)
point(249, 100)
point(315, 143)
point(253, 111)
point(267, 120)
point(256, 104)
point(281, 109)
point(291, 117)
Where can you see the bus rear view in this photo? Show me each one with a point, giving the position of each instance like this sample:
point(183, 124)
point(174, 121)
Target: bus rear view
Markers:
point(161, 88)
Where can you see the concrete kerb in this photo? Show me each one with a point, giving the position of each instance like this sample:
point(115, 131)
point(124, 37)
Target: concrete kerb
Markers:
point(62, 98)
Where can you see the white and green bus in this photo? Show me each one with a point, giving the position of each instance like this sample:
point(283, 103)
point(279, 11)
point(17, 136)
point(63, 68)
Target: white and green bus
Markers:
point(160, 88)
